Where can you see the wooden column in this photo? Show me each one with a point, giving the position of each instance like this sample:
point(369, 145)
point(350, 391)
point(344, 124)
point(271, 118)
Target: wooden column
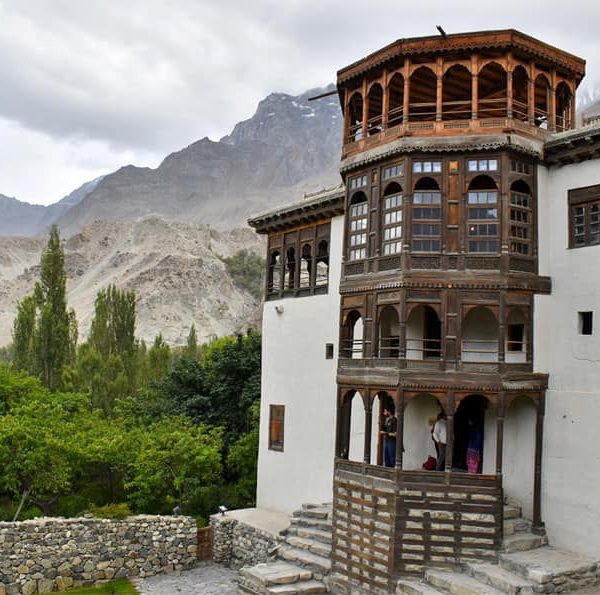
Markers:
point(338, 424)
point(500, 412)
point(365, 114)
point(386, 100)
point(552, 102)
point(406, 98)
point(400, 427)
point(531, 94)
point(368, 427)
point(439, 88)
point(450, 429)
point(538, 525)
point(573, 122)
point(347, 121)
point(502, 329)
point(509, 87)
point(474, 85)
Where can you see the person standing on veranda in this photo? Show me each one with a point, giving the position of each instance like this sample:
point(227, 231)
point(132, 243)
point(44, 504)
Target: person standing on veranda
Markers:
point(390, 428)
point(440, 438)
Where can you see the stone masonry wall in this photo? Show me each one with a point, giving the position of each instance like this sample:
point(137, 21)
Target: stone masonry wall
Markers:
point(54, 554)
point(237, 544)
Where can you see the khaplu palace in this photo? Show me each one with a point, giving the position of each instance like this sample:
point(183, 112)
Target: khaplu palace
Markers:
point(453, 274)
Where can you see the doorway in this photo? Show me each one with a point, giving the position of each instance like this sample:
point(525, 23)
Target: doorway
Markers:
point(469, 425)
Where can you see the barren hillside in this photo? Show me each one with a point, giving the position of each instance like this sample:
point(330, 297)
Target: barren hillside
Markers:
point(173, 267)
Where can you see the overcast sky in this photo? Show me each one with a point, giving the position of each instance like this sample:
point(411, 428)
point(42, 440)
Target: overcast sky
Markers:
point(89, 85)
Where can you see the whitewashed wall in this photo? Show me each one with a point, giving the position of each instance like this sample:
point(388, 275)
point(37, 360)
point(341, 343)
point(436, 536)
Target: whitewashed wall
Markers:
point(571, 465)
point(296, 374)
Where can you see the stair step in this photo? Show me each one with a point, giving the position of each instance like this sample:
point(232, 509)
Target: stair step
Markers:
point(299, 588)
point(517, 525)
point(458, 583)
point(313, 561)
point(500, 578)
point(313, 523)
point(310, 533)
point(522, 542)
point(415, 587)
point(544, 564)
point(511, 512)
point(274, 573)
point(318, 512)
point(316, 547)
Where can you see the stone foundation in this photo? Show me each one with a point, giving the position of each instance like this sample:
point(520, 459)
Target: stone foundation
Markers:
point(52, 554)
point(238, 544)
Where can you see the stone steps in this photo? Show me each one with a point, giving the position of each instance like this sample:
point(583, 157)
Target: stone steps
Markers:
point(304, 557)
point(416, 587)
point(316, 547)
point(516, 525)
point(458, 583)
point(310, 533)
point(318, 564)
point(500, 578)
point(522, 542)
point(553, 570)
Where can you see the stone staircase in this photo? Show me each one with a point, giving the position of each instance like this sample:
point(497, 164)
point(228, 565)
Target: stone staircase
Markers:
point(526, 565)
point(303, 558)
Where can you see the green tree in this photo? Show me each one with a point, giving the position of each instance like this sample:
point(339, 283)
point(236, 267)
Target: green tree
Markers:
point(159, 356)
point(37, 454)
point(45, 332)
point(191, 348)
point(175, 460)
point(247, 270)
point(112, 331)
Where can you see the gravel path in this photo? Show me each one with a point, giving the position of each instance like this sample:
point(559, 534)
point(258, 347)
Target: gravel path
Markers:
point(207, 578)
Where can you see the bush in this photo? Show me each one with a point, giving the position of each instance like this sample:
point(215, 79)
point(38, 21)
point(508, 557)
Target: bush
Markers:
point(111, 511)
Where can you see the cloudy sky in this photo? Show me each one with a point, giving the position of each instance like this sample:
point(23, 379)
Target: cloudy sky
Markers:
point(89, 85)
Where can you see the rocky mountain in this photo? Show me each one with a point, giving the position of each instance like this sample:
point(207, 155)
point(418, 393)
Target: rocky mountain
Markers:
point(19, 218)
point(174, 268)
point(289, 145)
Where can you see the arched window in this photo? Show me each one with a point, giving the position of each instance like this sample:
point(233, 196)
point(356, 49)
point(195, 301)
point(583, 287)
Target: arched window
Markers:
point(480, 336)
point(305, 265)
point(355, 117)
point(389, 332)
point(483, 233)
point(520, 85)
point(521, 218)
point(426, 216)
point(423, 334)
point(392, 219)
point(322, 272)
point(396, 100)
point(423, 91)
point(290, 265)
point(564, 99)
point(542, 91)
point(456, 94)
point(352, 336)
point(274, 279)
point(375, 106)
point(492, 89)
point(358, 220)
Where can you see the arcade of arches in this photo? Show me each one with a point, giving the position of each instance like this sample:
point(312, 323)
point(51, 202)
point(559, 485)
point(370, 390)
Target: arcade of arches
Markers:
point(455, 92)
point(510, 425)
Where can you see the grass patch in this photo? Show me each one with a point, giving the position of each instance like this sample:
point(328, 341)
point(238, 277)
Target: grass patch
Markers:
point(118, 587)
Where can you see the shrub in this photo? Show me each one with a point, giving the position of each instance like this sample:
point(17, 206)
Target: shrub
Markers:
point(111, 511)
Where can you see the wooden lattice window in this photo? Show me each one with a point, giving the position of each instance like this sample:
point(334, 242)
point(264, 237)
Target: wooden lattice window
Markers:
point(584, 216)
point(276, 421)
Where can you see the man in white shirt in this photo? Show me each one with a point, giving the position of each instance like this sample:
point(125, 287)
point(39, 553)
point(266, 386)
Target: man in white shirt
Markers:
point(440, 436)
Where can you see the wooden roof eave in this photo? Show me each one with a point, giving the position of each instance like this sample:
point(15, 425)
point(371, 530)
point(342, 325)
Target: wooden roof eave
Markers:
point(508, 39)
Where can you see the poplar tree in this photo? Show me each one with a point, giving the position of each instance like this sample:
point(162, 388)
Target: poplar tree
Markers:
point(191, 348)
point(45, 332)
